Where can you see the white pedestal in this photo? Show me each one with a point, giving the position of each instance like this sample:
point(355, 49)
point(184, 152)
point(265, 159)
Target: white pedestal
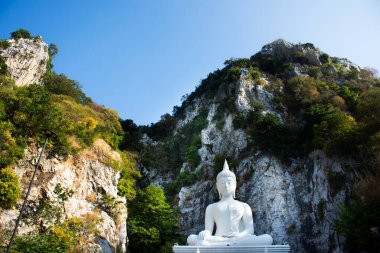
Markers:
point(232, 249)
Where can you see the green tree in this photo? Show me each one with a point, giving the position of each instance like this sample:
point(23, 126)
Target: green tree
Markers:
point(3, 66)
point(4, 44)
point(6, 81)
point(128, 176)
point(355, 223)
point(21, 33)
point(131, 135)
point(335, 133)
point(301, 92)
point(60, 84)
point(151, 219)
point(53, 51)
point(368, 109)
point(10, 150)
point(9, 188)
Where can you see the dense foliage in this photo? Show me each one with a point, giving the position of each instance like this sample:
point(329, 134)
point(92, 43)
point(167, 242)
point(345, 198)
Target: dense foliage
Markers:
point(41, 243)
point(60, 84)
point(32, 112)
point(358, 223)
point(151, 221)
point(68, 236)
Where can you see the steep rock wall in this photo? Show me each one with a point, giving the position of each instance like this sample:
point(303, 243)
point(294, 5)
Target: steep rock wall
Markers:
point(88, 177)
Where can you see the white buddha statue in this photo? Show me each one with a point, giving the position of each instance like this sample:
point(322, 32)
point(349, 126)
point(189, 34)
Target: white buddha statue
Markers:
point(233, 219)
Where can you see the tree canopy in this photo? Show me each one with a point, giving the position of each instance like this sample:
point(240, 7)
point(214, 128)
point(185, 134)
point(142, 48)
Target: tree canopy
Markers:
point(151, 220)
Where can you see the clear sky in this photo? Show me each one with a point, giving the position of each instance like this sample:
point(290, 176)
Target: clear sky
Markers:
point(140, 56)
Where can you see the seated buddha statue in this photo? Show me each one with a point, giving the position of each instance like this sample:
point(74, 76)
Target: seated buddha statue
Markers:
point(233, 219)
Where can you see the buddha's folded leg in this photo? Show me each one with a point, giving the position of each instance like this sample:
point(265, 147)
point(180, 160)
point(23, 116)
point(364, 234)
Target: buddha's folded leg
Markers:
point(192, 240)
point(255, 240)
point(214, 241)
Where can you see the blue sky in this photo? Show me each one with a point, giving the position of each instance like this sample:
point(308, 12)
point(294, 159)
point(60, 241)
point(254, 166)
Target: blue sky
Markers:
point(140, 56)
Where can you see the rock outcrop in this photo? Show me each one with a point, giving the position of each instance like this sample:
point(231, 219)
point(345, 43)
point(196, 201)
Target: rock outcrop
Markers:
point(26, 60)
point(282, 49)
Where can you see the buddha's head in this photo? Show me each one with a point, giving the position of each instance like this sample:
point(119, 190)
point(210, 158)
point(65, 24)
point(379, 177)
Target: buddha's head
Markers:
point(226, 182)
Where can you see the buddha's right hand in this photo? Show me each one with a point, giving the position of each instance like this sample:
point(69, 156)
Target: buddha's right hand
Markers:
point(204, 234)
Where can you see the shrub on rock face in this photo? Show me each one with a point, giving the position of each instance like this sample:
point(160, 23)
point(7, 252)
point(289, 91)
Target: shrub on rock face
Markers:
point(359, 223)
point(335, 133)
point(4, 44)
point(10, 151)
point(324, 58)
point(39, 243)
point(3, 66)
point(9, 188)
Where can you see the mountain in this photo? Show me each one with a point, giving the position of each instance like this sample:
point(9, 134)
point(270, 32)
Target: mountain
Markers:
point(299, 129)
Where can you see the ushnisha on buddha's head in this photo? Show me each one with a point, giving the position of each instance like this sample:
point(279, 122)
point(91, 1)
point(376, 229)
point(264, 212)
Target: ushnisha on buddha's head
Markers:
point(226, 182)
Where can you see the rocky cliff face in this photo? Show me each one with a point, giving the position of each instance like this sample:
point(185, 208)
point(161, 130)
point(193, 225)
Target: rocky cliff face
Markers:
point(296, 202)
point(89, 179)
point(80, 188)
point(26, 60)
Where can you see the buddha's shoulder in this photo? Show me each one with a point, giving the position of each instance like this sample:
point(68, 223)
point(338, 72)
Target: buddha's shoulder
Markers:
point(241, 203)
point(213, 205)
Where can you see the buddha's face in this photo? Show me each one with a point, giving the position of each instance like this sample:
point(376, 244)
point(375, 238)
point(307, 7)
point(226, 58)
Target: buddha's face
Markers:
point(226, 186)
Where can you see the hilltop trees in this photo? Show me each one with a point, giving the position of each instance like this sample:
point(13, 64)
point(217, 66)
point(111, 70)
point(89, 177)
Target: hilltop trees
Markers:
point(21, 33)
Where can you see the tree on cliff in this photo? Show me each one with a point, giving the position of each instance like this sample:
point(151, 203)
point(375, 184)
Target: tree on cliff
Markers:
point(151, 220)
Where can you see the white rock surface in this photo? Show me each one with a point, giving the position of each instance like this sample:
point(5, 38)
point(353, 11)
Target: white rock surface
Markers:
point(26, 60)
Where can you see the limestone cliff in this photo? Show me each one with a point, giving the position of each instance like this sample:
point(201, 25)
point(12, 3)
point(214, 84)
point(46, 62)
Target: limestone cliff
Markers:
point(26, 60)
point(296, 201)
point(89, 178)
point(73, 188)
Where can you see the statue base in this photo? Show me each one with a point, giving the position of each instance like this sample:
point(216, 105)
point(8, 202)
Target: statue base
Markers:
point(232, 249)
